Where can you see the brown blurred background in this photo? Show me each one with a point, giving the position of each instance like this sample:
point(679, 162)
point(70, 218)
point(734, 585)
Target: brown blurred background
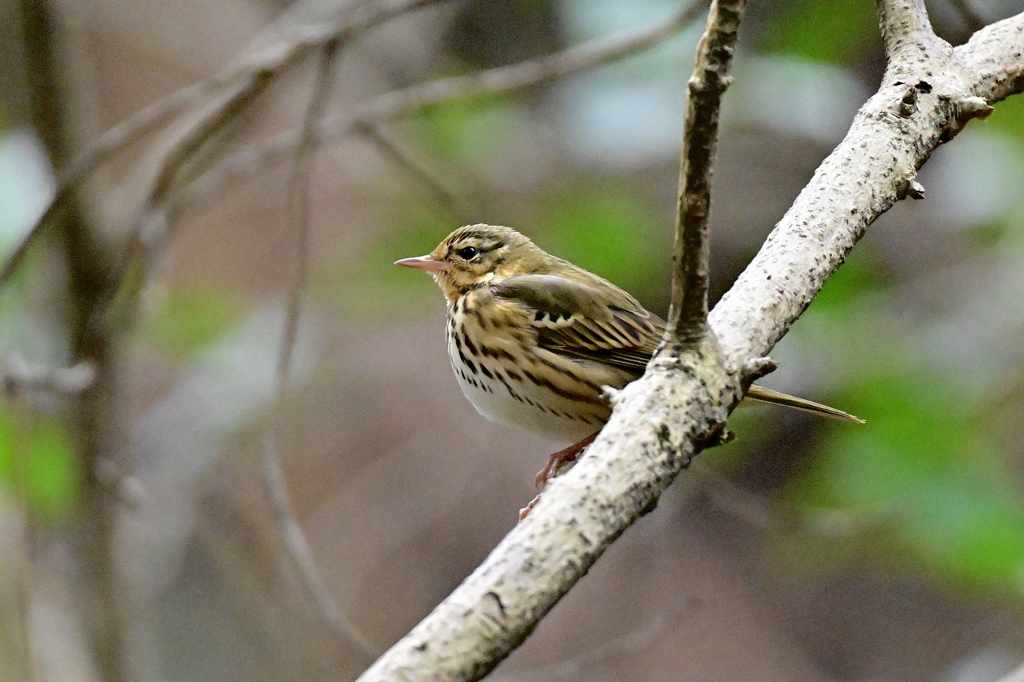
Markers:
point(805, 550)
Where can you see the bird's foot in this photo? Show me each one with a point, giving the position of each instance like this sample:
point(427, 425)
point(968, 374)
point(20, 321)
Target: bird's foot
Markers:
point(566, 456)
point(556, 464)
point(526, 510)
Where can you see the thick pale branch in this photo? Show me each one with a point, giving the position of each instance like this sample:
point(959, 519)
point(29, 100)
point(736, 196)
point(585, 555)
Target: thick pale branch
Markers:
point(994, 58)
point(661, 420)
point(904, 24)
point(689, 311)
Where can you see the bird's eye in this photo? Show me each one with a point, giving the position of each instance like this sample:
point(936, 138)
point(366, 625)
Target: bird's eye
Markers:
point(468, 252)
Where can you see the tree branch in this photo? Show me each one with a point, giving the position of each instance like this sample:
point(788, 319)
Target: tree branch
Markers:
point(689, 311)
point(663, 419)
point(904, 25)
point(995, 57)
point(296, 546)
point(401, 157)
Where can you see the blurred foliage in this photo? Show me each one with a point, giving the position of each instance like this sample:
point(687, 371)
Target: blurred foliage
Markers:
point(824, 30)
point(188, 318)
point(608, 229)
point(37, 462)
point(1008, 117)
point(926, 474)
point(469, 131)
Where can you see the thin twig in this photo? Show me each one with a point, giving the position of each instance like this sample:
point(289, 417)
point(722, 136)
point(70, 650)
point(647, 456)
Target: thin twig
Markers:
point(297, 547)
point(279, 47)
point(415, 98)
point(530, 72)
point(689, 312)
point(152, 226)
point(394, 151)
point(17, 376)
point(120, 136)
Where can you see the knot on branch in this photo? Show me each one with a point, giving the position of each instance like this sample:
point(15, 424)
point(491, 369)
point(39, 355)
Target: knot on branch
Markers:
point(972, 107)
point(909, 103)
point(912, 189)
point(714, 81)
point(758, 368)
point(962, 111)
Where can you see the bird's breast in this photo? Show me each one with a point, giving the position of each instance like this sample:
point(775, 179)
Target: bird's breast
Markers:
point(501, 371)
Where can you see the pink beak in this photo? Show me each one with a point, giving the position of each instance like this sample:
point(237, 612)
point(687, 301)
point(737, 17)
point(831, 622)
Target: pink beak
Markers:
point(427, 263)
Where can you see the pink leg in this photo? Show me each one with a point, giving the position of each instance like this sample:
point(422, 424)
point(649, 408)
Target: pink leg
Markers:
point(562, 456)
point(570, 454)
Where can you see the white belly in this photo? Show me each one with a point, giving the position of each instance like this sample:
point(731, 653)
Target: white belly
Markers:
point(547, 419)
point(504, 393)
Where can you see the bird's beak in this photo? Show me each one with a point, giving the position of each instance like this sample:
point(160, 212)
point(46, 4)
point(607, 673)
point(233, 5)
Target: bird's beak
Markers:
point(427, 263)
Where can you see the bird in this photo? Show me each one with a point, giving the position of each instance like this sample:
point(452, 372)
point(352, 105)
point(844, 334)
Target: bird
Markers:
point(534, 340)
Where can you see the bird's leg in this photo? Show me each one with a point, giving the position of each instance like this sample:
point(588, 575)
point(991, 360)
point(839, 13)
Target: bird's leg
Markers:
point(570, 454)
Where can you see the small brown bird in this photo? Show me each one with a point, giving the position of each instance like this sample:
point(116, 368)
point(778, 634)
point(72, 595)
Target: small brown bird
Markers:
point(533, 339)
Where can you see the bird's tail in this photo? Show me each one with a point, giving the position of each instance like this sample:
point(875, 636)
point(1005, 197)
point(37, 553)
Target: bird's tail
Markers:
point(767, 395)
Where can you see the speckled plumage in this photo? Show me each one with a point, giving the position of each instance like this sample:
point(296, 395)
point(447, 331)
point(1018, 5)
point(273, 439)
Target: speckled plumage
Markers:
point(533, 338)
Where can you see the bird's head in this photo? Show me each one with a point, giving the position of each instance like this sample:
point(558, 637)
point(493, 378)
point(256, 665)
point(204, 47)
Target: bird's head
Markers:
point(477, 255)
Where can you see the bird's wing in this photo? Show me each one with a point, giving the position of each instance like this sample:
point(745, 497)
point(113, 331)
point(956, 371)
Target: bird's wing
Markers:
point(600, 323)
point(605, 324)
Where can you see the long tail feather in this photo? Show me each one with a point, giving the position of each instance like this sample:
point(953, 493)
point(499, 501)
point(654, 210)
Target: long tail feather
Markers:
point(767, 395)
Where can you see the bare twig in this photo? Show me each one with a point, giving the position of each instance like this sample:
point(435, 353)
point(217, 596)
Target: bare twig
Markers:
point(689, 312)
point(663, 419)
point(415, 98)
point(296, 546)
point(93, 413)
point(277, 49)
point(902, 23)
point(118, 137)
point(151, 227)
point(531, 72)
point(19, 376)
point(984, 56)
point(393, 149)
